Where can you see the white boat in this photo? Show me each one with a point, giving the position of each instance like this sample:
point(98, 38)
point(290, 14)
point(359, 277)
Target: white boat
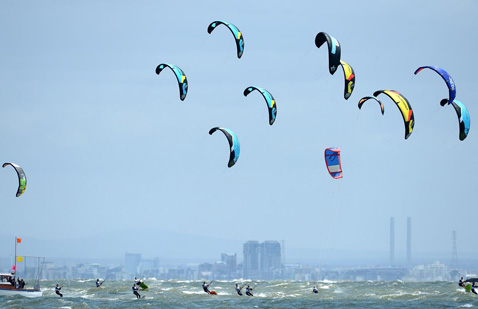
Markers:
point(11, 286)
point(7, 288)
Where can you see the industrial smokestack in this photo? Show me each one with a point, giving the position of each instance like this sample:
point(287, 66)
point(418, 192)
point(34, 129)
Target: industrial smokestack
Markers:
point(409, 241)
point(392, 241)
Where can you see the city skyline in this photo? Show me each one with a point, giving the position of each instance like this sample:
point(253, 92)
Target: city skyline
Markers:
point(296, 255)
point(261, 261)
point(94, 247)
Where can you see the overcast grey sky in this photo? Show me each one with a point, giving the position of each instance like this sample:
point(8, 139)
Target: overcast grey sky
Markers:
point(107, 145)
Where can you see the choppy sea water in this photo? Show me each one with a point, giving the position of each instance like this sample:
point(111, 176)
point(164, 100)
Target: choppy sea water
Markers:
point(267, 294)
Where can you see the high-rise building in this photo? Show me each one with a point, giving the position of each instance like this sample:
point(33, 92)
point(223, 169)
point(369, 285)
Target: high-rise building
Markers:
point(392, 241)
point(409, 241)
point(270, 258)
point(283, 251)
point(230, 260)
point(262, 260)
point(454, 254)
point(251, 266)
point(132, 263)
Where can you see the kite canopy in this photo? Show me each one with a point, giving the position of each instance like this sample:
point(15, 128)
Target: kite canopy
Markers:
point(448, 80)
point(404, 106)
point(472, 280)
point(332, 161)
point(234, 146)
point(349, 78)
point(271, 103)
point(463, 118)
point(334, 49)
point(22, 178)
point(365, 99)
point(182, 80)
point(235, 31)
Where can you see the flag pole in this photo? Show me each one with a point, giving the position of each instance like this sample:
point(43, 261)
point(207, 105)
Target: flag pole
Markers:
point(15, 257)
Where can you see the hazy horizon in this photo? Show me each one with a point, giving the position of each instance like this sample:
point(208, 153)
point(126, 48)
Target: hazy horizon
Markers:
point(196, 250)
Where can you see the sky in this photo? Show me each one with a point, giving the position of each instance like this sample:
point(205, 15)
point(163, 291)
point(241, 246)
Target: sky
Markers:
point(109, 149)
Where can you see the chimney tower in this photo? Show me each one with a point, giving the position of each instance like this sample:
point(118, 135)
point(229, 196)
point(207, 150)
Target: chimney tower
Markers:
point(392, 241)
point(409, 241)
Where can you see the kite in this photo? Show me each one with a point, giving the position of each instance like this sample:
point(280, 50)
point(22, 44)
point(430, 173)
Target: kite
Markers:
point(271, 103)
point(448, 80)
point(349, 77)
point(22, 179)
point(182, 80)
point(334, 49)
point(234, 146)
point(404, 107)
point(365, 99)
point(332, 161)
point(235, 31)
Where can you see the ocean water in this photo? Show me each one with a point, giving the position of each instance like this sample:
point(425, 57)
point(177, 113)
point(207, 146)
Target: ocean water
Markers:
point(267, 294)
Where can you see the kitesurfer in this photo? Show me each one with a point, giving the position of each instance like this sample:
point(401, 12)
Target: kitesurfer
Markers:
point(137, 281)
point(205, 287)
point(248, 290)
point(135, 290)
point(57, 290)
point(315, 290)
point(98, 283)
point(460, 282)
point(473, 288)
point(238, 290)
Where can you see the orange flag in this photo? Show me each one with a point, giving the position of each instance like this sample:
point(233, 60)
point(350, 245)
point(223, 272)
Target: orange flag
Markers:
point(19, 240)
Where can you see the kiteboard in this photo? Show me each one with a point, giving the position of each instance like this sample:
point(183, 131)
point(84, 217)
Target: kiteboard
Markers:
point(468, 287)
point(143, 285)
point(212, 292)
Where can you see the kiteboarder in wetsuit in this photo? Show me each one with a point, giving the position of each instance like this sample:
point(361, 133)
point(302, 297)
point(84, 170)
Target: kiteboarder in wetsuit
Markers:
point(473, 288)
point(315, 290)
point(238, 290)
point(460, 282)
point(57, 290)
point(248, 290)
point(135, 290)
point(205, 287)
point(98, 284)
